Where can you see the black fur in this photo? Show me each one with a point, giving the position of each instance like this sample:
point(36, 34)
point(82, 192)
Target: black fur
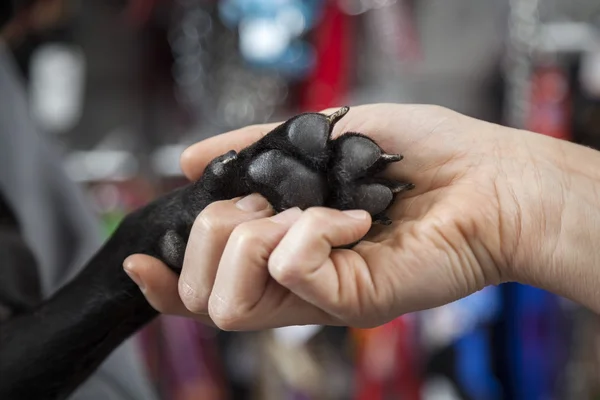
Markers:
point(46, 352)
point(19, 287)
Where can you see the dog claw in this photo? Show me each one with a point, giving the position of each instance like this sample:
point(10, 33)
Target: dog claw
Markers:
point(390, 158)
point(336, 116)
point(401, 187)
point(382, 220)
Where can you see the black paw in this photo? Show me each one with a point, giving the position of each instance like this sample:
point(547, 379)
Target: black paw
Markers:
point(297, 164)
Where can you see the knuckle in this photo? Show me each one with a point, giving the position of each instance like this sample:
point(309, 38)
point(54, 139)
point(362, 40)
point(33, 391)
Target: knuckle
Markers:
point(192, 299)
point(246, 236)
point(285, 272)
point(317, 215)
point(225, 316)
point(209, 221)
point(226, 324)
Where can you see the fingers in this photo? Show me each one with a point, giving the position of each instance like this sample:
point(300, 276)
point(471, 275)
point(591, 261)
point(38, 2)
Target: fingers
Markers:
point(304, 261)
point(208, 238)
point(236, 249)
point(244, 295)
point(196, 157)
point(159, 285)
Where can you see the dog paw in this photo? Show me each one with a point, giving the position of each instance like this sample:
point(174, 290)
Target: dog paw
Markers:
point(297, 164)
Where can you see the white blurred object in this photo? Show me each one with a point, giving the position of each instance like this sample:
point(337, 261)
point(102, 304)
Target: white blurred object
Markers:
point(165, 160)
point(100, 165)
point(443, 325)
point(293, 336)
point(557, 37)
point(57, 86)
point(263, 39)
point(439, 389)
point(590, 71)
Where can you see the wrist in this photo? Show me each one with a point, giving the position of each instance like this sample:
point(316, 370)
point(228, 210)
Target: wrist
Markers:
point(559, 247)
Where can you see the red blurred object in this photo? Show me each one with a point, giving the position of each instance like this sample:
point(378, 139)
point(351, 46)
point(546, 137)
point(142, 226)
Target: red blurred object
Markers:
point(328, 84)
point(550, 112)
point(387, 364)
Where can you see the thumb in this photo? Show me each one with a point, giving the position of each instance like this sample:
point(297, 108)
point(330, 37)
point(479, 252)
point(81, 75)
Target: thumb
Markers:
point(159, 285)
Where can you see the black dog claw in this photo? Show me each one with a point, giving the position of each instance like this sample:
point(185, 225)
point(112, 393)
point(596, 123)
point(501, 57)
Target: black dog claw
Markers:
point(382, 220)
point(399, 187)
point(48, 352)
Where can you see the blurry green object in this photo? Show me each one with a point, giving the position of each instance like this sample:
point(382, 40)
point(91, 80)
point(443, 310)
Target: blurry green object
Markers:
point(110, 221)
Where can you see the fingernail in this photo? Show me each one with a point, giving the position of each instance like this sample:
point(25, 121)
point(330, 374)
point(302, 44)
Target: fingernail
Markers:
point(357, 214)
point(287, 216)
point(135, 277)
point(252, 203)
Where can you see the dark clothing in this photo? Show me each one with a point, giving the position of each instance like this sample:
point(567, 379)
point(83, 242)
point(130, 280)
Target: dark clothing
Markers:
point(51, 216)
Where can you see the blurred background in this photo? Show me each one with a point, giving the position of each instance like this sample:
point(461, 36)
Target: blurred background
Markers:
point(123, 86)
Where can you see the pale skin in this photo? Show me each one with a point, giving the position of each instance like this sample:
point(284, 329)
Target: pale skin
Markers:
point(491, 205)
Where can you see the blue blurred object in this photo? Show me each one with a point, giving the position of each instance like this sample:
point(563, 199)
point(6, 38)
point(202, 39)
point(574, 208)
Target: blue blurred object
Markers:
point(232, 12)
point(271, 33)
point(463, 347)
point(474, 366)
point(536, 342)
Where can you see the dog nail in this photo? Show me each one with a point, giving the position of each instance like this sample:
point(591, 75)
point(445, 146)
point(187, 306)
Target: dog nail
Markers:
point(391, 157)
point(401, 187)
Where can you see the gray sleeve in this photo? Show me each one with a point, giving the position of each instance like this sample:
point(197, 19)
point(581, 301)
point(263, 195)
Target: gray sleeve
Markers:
point(57, 224)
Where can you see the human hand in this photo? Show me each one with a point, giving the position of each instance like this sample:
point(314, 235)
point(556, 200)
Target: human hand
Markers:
point(473, 220)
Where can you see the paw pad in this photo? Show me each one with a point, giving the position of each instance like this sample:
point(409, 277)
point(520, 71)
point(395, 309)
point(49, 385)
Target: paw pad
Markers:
point(287, 181)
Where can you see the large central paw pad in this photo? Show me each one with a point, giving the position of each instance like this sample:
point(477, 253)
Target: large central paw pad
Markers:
point(298, 164)
point(287, 181)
